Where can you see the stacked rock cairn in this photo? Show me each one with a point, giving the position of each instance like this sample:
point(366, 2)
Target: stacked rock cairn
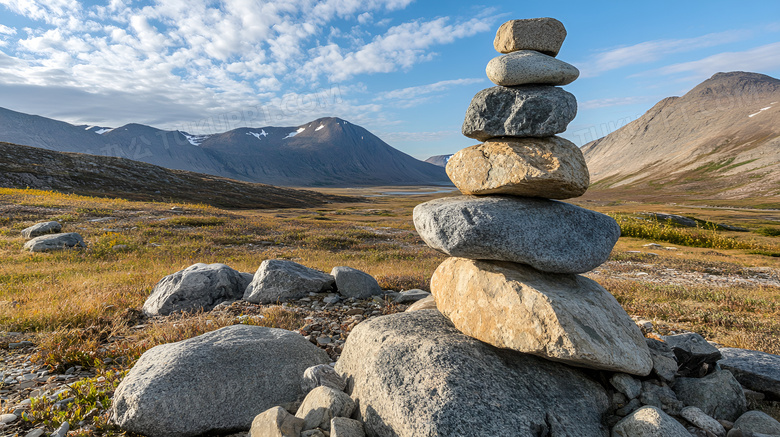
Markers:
point(513, 277)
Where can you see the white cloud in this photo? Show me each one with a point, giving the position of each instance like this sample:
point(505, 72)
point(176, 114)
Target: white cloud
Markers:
point(614, 101)
point(5, 30)
point(762, 58)
point(416, 95)
point(650, 51)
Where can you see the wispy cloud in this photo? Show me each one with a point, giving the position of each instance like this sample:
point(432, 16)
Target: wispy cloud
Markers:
point(762, 58)
point(416, 95)
point(650, 51)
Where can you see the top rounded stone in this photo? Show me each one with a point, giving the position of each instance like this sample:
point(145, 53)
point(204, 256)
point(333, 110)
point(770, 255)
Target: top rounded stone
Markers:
point(544, 35)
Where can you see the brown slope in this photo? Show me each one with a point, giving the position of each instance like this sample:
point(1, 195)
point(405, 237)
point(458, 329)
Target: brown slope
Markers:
point(23, 166)
point(715, 142)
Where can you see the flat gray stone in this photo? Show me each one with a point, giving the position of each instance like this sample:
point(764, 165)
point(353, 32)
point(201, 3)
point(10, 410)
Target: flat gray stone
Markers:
point(548, 235)
point(414, 374)
point(755, 370)
point(529, 67)
point(43, 228)
point(523, 111)
point(544, 35)
point(198, 287)
point(354, 283)
point(695, 356)
point(213, 383)
point(718, 395)
point(279, 280)
point(411, 296)
point(649, 422)
point(52, 242)
point(757, 422)
point(702, 421)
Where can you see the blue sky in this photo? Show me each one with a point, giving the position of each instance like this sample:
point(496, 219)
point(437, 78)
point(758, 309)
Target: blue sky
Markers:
point(405, 70)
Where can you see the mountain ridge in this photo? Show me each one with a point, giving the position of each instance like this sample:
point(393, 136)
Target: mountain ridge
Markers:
point(721, 140)
point(325, 152)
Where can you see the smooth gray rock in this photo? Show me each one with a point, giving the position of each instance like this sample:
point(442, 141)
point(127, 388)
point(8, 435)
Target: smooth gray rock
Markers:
point(411, 296)
point(626, 384)
point(276, 422)
point(354, 283)
point(51, 242)
point(425, 304)
point(664, 361)
point(523, 111)
point(697, 417)
point(215, 382)
point(545, 35)
point(649, 422)
point(279, 280)
point(323, 404)
point(42, 228)
point(321, 374)
point(718, 394)
point(660, 396)
point(529, 67)
point(695, 356)
point(198, 287)
point(343, 427)
point(414, 374)
point(755, 370)
point(757, 422)
point(548, 235)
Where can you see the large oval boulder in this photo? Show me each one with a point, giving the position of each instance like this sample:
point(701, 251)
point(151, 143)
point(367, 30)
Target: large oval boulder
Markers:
point(414, 374)
point(52, 242)
point(522, 111)
point(198, 287)
point(354, 283)
point(718, 395)
point(755, 370)
point(279, 280)
point(566, 318)
point(214, 383)
point(526, 67)
point(553, 168)
point(548, 235)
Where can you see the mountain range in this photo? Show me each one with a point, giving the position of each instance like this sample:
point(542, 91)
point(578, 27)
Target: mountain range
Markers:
point(719, 141)
point(325, 152)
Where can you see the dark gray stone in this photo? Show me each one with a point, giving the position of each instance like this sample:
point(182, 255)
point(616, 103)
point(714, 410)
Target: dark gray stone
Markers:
point(213, 383)
point(664, 361)
point(660, 396)
point(695, 356)
point(354, 283)
point(414, 374)
point(757, 422)
point(43, 228)
point(626, 384)
point(755, 370)
point(649, 422)
point(50, 242)
point(523, 111)
point(411, 296)
point(548, 235)
point(279, 280)
point(198, 287)
point(718, 395)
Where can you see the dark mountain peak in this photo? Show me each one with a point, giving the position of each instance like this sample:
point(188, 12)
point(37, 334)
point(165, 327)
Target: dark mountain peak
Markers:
point(440, 160)
point(735, 83)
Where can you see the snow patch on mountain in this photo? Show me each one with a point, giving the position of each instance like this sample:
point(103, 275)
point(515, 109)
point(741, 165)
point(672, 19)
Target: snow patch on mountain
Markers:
point(257, 135)
point(292, 134)
point(320, 127)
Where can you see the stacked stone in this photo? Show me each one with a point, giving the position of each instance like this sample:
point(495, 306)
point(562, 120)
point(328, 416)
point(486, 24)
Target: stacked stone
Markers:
point(513, 280)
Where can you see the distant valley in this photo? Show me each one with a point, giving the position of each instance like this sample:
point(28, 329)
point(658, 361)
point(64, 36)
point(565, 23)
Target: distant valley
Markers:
point(719, 144)
point(324, 152)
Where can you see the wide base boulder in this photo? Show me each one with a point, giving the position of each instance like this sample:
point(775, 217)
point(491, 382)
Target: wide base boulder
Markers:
point(52, 242)
point(216, 382)
point(279, 280)
point(198, 287)
point(415, 375)
point(567, 318)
